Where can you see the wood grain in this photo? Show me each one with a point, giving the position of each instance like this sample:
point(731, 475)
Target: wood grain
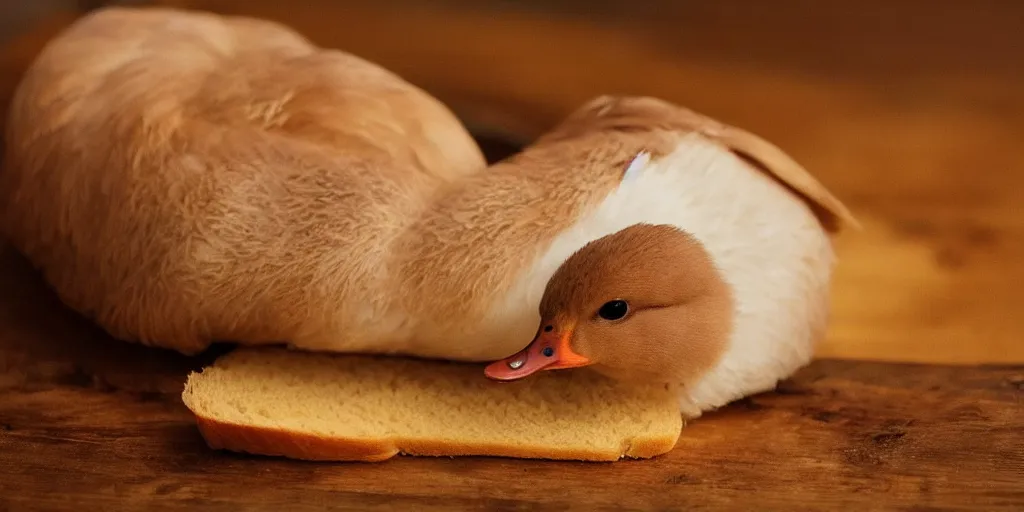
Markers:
point(90, 423)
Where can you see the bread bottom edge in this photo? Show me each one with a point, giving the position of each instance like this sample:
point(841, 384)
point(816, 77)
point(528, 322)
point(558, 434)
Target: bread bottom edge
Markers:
point(221, 435)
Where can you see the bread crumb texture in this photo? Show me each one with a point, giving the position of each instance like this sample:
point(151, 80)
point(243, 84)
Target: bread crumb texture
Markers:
point(275, 401)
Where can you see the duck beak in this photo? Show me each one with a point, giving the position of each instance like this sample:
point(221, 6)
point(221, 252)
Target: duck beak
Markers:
point(547, 351)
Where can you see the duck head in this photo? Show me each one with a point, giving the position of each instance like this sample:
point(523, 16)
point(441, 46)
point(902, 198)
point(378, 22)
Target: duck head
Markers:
point(645, 304)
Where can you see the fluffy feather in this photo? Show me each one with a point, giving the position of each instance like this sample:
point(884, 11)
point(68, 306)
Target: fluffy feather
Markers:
point(183, 178)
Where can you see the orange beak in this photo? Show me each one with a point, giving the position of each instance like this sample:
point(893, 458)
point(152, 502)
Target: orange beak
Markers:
point(548, 351)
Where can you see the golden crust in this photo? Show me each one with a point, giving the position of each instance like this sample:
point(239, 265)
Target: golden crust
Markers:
point(221, 435)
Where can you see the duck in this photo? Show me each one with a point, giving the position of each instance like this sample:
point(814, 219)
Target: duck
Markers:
point(706, 266)
point(240, 184)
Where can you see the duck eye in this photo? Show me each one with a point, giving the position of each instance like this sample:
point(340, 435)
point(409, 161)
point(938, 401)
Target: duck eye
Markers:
point(613, 310)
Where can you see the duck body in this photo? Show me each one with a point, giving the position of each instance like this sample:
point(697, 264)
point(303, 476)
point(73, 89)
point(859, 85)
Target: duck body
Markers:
point(523, 219)
point(276, 193)
point(182, 177)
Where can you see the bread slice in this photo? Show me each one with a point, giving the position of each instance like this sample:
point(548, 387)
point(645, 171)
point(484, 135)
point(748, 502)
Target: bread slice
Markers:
point(275, 401)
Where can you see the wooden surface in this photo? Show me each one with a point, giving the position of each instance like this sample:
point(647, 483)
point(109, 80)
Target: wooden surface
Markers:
point(915, 125)
point(88, 423)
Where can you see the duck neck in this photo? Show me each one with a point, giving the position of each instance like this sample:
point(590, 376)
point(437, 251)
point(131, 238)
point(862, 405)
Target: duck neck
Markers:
point(472, 266)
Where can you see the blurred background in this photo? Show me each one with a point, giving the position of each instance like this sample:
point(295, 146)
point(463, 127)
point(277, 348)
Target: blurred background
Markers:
point(909, 110)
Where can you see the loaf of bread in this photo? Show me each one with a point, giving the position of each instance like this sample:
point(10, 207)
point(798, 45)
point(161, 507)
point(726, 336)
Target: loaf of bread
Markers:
point(275, 401)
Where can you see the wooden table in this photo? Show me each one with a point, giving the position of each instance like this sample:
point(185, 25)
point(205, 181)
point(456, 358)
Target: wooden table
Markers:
point(917, 131)
point(90, 423)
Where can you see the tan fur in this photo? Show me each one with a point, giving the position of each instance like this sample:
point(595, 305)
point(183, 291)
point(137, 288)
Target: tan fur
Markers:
point(680, 309)
point(184, 178)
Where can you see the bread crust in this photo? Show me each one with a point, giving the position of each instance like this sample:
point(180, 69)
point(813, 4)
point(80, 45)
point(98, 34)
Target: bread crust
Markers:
point(220, 435)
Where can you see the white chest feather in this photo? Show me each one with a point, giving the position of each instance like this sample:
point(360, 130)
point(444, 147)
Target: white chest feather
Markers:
point(766, 242)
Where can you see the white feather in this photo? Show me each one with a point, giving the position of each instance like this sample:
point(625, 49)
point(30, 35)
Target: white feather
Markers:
point(639, 162)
